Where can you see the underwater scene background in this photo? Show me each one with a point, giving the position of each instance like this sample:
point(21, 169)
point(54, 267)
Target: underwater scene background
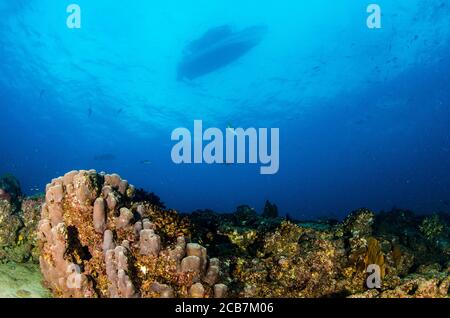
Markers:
point(363, 114)
point(364, 125)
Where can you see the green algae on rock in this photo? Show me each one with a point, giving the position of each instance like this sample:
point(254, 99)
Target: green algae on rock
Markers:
point(21, 281)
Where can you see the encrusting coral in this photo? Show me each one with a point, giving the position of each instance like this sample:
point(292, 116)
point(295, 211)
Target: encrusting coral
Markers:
point(96, 241)
point(324, 259)
point(432, 227)
point(9, 224)
point(292, 262)
point(18, 222)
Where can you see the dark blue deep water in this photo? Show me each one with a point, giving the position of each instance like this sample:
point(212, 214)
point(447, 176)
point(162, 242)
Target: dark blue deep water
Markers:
point(364, 114)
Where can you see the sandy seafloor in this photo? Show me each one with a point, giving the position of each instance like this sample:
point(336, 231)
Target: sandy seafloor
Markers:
point(21, 281)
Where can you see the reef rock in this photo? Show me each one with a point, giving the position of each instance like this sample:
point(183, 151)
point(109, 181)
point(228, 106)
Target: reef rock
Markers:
point(9, 224)
point(18, 222)
point(10, 189)
point(264, 256)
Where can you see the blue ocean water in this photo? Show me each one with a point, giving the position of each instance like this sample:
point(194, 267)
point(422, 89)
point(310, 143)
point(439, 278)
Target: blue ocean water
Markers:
point(364, 114)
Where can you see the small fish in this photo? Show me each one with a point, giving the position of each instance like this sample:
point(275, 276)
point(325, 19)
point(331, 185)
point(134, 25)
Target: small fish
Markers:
point(90, 111)
point(146, 162)
point(120, 111)
point(41, 93)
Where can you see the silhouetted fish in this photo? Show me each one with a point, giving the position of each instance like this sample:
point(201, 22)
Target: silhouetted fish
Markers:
point(217, 48)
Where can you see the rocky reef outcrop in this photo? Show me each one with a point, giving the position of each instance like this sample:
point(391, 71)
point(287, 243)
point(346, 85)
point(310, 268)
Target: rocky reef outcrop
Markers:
point(97, 241)
point(279, 257)
point(18, 222)
point(95, 235)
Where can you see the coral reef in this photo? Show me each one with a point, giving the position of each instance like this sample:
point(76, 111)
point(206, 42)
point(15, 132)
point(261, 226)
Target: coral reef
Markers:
point(231, 234)
point(18, 222)
point(95, 235)
point(292, 262)
point(429, 282)
point(287, 258)
point(9, 224)
point(97, 241)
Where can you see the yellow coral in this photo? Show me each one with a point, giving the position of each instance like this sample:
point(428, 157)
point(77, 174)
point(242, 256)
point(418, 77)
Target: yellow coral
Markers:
point(168, 223)
point(374, 255)
point(243, 239)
